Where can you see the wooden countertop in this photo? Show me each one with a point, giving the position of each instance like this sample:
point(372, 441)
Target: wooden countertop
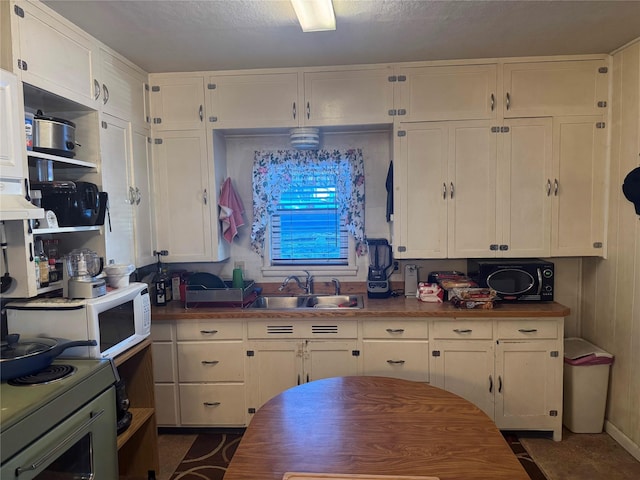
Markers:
point(388, 307)
point(373, 425)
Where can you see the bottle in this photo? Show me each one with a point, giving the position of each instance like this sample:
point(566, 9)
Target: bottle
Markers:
point(160, 288)
point(167, 285)
point(36, 261)
point(43, 263)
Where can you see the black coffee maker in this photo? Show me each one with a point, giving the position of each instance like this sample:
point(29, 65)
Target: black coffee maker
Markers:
point(380, 261)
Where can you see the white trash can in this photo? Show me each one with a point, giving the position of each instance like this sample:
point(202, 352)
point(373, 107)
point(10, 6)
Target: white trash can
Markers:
point(585, 382)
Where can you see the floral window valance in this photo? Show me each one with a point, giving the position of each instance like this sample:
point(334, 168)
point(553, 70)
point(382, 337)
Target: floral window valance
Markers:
point(272, 173)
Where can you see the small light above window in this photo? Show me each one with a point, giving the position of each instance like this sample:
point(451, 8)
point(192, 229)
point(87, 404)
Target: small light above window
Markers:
point(315, 15)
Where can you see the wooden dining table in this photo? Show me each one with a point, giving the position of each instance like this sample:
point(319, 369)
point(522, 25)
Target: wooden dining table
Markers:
point(372, 426)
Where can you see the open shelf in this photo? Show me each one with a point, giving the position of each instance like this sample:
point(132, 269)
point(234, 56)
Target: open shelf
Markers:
point(138, 444)
point(62, 161)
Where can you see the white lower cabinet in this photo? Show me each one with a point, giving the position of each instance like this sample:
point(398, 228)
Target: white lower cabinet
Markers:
point(283, 353)
point(511, 369)
point(199, 372)
point(397, 348)
point(219, 372)
point(165, 372)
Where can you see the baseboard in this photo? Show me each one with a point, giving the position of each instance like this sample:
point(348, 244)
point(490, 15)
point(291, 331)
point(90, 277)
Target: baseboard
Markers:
point(624, 441)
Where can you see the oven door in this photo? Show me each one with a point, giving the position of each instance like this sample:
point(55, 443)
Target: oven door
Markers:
point(83, 446)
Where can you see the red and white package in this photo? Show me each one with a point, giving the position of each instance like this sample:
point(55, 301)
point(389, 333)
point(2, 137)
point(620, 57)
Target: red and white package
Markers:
point(429, 292)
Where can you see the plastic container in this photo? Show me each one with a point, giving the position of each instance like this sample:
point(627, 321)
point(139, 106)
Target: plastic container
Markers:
point(585, 382)
point(118, 275)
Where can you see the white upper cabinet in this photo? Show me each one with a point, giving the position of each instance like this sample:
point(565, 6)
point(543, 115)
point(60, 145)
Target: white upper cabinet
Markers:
point(12, 132)
point(121, 88)
point(53, 54)
point(524, 188)
point(573, 87)
point(445, 183)
point(178, 102)
point(142, 192)
point(447, 92)
point(578, 186)
point(347, 97)
point(258, 100)
point(115, 142)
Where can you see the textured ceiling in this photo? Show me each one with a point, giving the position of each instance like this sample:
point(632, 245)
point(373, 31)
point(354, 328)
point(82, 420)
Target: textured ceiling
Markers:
point(186, 35)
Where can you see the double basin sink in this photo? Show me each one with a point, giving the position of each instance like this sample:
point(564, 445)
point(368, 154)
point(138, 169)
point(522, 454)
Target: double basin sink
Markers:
point(304, 302)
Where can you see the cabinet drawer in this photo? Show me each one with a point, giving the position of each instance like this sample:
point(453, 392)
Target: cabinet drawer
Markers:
point(210, 362)
point(163, 331)
point(395, 329)
point(408, 360)
point(163, 362)
point(462, 329)
point(297, 328)
point(212, 405)
point(210, 330)
point(527, 328)
point(166, 404)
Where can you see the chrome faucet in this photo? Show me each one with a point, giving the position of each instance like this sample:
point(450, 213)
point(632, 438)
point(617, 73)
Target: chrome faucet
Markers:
point(307, 286)
point(336, 282)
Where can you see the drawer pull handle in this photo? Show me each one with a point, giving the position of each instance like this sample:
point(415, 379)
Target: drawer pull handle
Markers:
point(527, 330)
point(210, 362)
point(211, 404)
point(395, 362)
point(395, 330)
point(462, 330)
point(208, 332)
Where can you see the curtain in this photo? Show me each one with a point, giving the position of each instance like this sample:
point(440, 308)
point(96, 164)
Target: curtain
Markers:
point(273, 170)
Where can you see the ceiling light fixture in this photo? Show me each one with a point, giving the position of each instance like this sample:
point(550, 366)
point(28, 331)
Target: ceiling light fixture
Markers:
point(315, 15)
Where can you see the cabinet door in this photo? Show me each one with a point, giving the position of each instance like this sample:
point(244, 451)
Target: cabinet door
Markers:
point(122, 89)
point(115, 142)
point(272, 368)
point(472, 190)
point(420, 191)
point(466, 368)
point(447, 93)
point(54, 55)
point(177, 103)
point(579, 199)
point(167, 405)
point(555, 88)
point(182, 196)
point(529, 385)
point(348, 97)
point(254, 101)
point(525, 188)
point(325, 359)
point(406, 359)
point(143, 209)
point(12, 139)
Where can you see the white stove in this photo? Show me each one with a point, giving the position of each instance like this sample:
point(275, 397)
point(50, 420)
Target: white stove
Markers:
point(42, 423)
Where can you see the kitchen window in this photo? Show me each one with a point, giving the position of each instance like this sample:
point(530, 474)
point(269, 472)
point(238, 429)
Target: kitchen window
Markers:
point(308, 208)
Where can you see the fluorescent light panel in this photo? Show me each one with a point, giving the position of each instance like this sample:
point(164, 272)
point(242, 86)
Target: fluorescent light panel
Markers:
point(315, 15)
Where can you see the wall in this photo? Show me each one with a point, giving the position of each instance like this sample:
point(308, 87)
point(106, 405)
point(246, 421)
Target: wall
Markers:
point(611, 287)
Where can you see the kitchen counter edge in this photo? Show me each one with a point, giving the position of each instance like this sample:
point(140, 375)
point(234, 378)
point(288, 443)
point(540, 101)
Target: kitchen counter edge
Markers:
point(388, 307)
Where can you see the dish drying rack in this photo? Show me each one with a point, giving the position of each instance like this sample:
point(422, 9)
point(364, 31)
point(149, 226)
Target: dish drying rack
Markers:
point(201, 296)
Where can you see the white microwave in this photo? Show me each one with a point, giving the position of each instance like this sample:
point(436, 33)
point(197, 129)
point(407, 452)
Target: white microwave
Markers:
point(116, 321)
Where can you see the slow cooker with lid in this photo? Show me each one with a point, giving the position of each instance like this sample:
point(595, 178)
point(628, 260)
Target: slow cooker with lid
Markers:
point(54, 135)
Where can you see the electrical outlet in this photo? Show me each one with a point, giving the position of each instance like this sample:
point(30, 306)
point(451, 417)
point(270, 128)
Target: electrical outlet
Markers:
point(396, 266)
point(239, 265)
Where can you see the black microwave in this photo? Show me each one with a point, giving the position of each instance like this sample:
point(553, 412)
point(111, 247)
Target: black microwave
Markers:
point(515, 279)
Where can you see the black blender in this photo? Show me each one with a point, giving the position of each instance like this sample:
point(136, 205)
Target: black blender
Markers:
point(380, 262)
